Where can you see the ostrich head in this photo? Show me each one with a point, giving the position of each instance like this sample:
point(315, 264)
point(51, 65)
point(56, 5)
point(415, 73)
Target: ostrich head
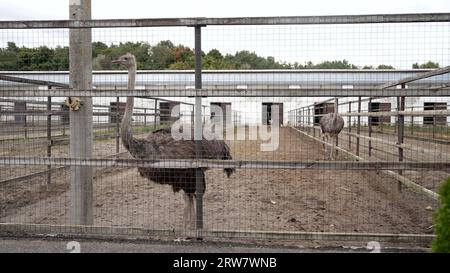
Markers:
point(128, 60)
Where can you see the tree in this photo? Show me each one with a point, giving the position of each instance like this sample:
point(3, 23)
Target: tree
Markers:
point(385, 66)
point(428, 64)
point(98, 48)
point(161, 56)
point(442, 220)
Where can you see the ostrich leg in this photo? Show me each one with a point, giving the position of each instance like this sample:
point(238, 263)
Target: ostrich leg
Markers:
point(333, 147)
point(324, 142)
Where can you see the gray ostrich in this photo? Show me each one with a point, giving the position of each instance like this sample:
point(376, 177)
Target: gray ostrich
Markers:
point(161, 145)
point(331, 125)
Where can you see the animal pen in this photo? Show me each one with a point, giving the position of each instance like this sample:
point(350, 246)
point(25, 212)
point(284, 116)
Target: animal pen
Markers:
point(65, 170)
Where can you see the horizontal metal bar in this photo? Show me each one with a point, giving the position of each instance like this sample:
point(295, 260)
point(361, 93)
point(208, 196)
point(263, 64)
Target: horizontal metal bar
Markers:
point(62, 113)
point(36, 174)
point(272, 92)
point(42, 230)
point(227, 71)
point(38, 102)
point(387, 113)
point(79, 231)
point(425, 75)
point(203, 21)
point(35, 82)
point(212, 163)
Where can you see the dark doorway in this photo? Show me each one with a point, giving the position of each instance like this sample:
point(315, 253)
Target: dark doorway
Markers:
point(20, 106)
point(223, 117)
point(165, 111)
point(226, 114)
point(379, 107)
point(436, 120)
point(267, 112)
point(321, 109)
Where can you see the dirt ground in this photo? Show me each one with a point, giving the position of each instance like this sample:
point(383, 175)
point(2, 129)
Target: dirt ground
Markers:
point(262, 199)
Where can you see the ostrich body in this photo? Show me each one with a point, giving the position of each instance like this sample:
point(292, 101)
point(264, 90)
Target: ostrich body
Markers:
point(331, 125)
point(161, 145)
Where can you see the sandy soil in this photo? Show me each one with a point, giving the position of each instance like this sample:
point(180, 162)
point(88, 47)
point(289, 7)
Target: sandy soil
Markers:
point(263, 199)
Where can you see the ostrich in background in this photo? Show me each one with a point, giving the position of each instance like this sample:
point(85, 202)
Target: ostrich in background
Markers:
point(160, 145)
point(331, 125)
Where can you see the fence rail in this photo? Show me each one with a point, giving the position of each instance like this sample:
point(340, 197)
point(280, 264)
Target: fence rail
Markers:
point(192, 22)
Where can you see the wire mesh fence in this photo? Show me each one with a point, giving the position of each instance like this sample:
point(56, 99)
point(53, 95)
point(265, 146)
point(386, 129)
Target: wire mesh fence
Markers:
point(261, 169)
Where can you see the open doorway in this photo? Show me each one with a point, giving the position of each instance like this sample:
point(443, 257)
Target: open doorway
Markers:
point(434, 120)
point(321, 109)
point(380, 107)
point(268, 112)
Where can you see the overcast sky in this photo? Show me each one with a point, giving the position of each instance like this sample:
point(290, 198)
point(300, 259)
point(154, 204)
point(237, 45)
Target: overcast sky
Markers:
point(58, 9)
point(399, 45)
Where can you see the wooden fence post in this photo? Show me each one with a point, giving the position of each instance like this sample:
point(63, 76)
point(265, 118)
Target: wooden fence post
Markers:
point(80, 56)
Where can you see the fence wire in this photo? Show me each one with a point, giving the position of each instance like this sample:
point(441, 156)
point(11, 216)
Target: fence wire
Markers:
point(266, 168)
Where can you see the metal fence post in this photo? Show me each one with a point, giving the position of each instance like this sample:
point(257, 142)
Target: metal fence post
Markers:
point(358, 128)
point(199, 175)
point(369, 122)
point(309, 119)
point(80, 56)
point(117, 126)
point(156, 114)
point(401, 128)
point(49, 138)
point(349, 121)
point(336, 104)
point(145, 117)
point(434, 122)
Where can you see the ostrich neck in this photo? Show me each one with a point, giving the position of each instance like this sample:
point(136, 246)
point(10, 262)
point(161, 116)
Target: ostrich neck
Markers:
point(335, 110)
point(125, 126)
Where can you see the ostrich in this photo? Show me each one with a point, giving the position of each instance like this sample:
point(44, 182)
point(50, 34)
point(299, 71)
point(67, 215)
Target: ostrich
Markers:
point(161, 145)
point(331, 125)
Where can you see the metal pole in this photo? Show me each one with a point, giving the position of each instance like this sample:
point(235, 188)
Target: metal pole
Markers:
point(80, 56)
point(199, 175)
point(145, 117)
point(309, 119)
point(25, 127)
point(349, 121)
point(434, 122)
point(336, 105)
point(401, 128)
point(49, 138)
point(117, 126)
point(370, 126)
point(156, 114)
point(358, 128)
point(412, 121)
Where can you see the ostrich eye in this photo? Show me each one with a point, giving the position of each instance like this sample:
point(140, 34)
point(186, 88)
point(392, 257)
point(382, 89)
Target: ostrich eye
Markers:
point(125, 59)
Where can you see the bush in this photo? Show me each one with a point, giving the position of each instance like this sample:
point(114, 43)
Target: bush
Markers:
point(442, 220)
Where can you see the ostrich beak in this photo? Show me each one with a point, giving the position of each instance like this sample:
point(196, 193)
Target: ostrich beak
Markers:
point(118, 61)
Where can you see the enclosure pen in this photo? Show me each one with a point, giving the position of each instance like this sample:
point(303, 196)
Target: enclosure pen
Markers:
point(222, 119)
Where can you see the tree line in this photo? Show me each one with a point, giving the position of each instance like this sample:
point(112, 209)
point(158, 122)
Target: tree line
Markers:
point(163, 55)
